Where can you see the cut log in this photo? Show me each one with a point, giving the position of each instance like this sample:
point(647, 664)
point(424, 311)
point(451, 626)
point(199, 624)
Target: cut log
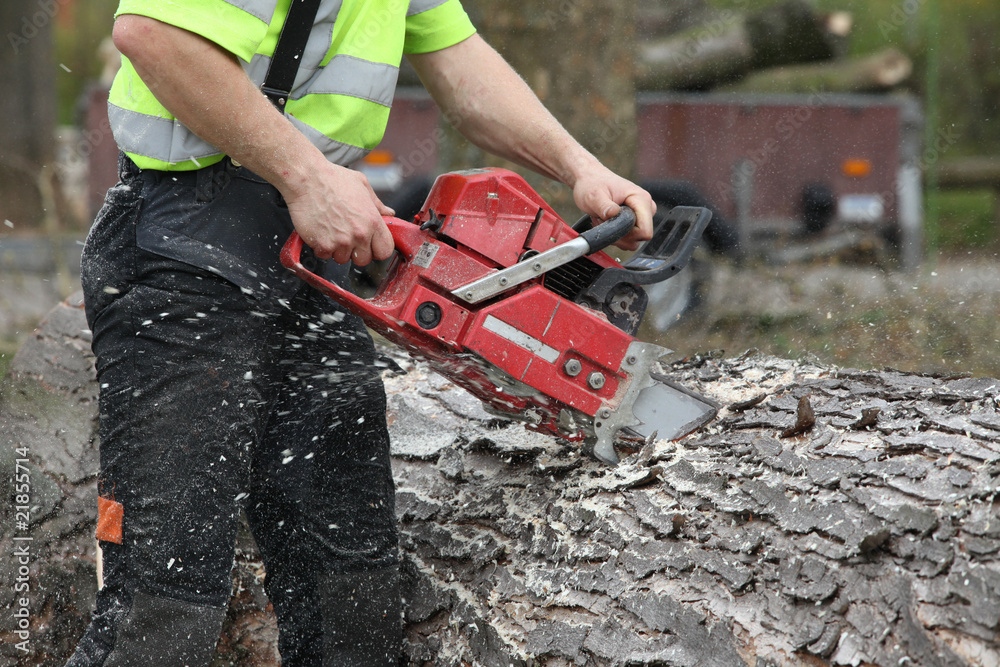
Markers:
point(970, 173)
point(733, 44)
point(869, 535)
point(877, 72)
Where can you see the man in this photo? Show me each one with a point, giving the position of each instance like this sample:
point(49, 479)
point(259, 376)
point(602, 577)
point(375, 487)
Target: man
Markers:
point(228, 385)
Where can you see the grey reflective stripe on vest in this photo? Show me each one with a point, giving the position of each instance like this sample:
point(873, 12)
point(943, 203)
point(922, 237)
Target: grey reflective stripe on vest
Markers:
point(321, 37)
point(262, 9)
point(169, 141)
point(420, 6)
point(335, 151)
point(343, 75)
point(317, 47)
point(347, 75)
point(162, 139)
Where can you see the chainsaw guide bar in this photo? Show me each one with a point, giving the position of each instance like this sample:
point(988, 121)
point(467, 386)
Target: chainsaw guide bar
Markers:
point(498, 294)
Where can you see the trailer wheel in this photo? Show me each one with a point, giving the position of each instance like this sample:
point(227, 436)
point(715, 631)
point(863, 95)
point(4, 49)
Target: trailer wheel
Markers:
point(720, 235)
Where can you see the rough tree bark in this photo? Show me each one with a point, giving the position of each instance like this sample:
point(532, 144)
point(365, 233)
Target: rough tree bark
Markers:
point(828, 517)
point(583, 75)
point(28, 107)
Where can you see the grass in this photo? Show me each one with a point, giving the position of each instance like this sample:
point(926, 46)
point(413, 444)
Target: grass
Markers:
point(7, 350)
point(967, 219)
point(945, 319)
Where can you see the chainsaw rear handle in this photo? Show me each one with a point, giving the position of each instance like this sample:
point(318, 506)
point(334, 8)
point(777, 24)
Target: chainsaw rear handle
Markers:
point(291, 258)
point(406, 238)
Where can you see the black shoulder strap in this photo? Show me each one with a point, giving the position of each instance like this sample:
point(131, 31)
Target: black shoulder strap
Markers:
point(288, 52)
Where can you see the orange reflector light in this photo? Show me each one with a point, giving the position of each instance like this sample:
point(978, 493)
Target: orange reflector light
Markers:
point(379, 156)
point(856, 167)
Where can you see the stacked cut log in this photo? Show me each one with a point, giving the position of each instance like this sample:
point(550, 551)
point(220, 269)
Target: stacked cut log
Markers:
point(787, 48)
point(827, 517)
point(880, 71)
point(731, 44)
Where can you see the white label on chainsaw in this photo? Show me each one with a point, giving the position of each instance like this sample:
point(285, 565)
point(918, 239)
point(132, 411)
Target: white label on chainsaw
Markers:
point(521, 339)
point(425, 255)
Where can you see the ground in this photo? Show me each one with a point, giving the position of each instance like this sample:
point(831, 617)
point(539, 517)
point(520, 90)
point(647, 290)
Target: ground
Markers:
point(944, 318)
point(941, 319)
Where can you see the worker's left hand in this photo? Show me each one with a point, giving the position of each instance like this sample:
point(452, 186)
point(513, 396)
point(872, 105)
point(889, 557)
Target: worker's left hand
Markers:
point(600, 192)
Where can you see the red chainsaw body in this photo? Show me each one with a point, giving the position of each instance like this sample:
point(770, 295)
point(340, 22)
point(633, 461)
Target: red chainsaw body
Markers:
point(511, 351)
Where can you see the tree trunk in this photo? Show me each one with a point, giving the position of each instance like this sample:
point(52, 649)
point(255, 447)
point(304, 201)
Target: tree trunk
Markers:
point(877, 72)
point(28, 107)
point(828, 517)
point(732, 44)
point(655, 18)
point(578, 58)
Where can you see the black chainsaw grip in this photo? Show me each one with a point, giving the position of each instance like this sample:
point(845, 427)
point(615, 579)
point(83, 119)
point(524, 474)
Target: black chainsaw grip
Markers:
point(611, 230)
point(661, 257)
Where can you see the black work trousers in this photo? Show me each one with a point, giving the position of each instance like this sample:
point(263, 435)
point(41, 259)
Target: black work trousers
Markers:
point(228, 386)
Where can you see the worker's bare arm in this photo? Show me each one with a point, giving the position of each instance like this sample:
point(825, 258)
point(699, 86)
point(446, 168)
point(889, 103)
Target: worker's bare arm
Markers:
point(494, 108)
point(204, 86)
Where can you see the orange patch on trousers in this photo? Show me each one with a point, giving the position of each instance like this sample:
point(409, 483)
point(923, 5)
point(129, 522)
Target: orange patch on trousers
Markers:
point(109, 520)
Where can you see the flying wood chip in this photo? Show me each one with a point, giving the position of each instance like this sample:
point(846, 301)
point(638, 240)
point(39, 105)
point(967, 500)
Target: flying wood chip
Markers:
point(805, 419)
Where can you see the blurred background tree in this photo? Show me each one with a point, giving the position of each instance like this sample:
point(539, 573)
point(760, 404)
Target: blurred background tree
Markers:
point(582, 74)
point(27, 109)
point(49, 58)
point(80, 29)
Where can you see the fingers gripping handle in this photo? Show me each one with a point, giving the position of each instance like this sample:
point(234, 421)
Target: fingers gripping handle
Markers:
point(610, 231)
point(291, 258)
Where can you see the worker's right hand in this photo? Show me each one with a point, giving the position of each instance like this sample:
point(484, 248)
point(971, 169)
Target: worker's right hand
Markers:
point(339, 216)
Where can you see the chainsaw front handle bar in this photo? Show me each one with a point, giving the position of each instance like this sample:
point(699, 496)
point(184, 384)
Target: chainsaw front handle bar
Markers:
point(587, 243)
point(610, 231)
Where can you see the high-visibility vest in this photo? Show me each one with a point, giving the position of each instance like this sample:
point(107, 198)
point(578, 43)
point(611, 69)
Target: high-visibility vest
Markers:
point(343, 89)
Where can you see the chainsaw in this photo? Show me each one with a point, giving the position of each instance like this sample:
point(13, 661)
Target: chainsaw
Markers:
point(499, 295)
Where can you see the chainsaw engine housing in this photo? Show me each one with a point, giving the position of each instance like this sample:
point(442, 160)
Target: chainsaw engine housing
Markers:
point(544, 340)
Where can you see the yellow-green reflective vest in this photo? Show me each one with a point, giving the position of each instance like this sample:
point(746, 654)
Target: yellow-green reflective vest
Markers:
point(343, 89)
